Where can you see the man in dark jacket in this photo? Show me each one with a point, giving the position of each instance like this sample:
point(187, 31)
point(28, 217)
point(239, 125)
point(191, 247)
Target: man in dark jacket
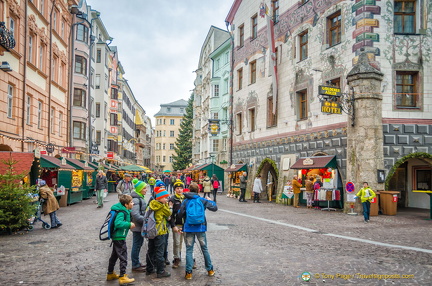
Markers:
point(243, 183)
point(137, 213)
point(196, 230)
point(101, 186)
point(176, 221)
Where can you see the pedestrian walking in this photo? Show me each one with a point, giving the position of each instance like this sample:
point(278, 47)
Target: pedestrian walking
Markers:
point(215, 186)
point(207, 187)
point(137, 212)
point(257, 189)
point(50, 205)
point(100, 187)
point(243, 184)
point(152, 182)
point(296, 190)
point(190, 212)
point(309, 192)
point(366, 195)
point(122, 224)
point(125, 186)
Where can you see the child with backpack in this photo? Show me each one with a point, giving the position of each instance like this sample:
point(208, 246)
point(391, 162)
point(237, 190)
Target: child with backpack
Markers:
point(122, 224)
point(192, 211)
point(157, 246)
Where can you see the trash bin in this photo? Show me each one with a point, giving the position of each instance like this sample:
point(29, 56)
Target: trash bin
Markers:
point(374, 205)
point(389, 201)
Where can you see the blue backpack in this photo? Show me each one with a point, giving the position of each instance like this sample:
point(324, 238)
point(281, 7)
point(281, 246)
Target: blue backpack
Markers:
point(195, 211)
point(149, 229)
point(107, 229)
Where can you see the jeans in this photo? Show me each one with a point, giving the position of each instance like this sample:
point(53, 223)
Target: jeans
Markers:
point(190, 241)
point(99, 195)
point(119, 251)
point(366, 210)
point(177, 243)
point(54, 219)
point(214, 191)
point(137, 242)
point(242, 195)
point(155, 254)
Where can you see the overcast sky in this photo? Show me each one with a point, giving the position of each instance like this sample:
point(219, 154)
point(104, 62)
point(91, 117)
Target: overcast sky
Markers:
point(159, 43)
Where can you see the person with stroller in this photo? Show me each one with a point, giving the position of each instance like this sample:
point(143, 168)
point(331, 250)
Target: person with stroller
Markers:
point(50, 205)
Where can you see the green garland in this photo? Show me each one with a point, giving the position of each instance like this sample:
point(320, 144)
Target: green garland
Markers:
point(403, 160)
point(271, 162)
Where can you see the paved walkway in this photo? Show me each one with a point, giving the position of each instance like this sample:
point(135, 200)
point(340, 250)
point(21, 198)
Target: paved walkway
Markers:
point(250, 244)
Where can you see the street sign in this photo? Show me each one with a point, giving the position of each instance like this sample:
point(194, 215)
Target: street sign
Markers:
point(349, 187)
point(49, 148)
point(329, 90)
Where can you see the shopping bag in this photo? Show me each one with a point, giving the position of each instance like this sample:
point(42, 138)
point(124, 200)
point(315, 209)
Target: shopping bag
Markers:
point(61, 191)
point(105, 193)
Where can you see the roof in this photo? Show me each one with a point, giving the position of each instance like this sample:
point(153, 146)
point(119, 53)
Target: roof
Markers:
point(132, 168)
point(315, 162)
point(237, 168)
point(23, 161)
point(78, 164)
point(53, 162)
point(208, 167)
point(179, 103)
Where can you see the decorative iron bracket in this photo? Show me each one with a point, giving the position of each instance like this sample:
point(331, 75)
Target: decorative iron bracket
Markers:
point(347, 101)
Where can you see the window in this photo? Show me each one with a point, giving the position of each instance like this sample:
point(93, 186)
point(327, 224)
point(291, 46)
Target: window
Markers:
point(241, 36)
point(79, 97)
point(60, 123)
point(114, 93)
point(163, 159)
point(98, 55)
point(98, 109)
point(12, 27)
point(216, 90)
point(252, 119)
point(215, 145)
point(10, 102)
point(164, 121)
point(423, 180)
point(171, 146)
point(239, 123)
point(225, 90)
point(163, 146)
point(39, 115)
point(334, 28)
point(335, 82)
point(30, 49)
point(61, 73)
point(171, 121)
point(170, 159)
point(240, 78)
point(168, 110)
point(52, 117)
point(113, 119)
point(404, 16)
point(97, 81)
point(98, 137)
point(275, 6)
point(216, 115)
point(55, 68)
point(303, 37)
point(254, 26)
point(226, 58)
point(217, 64)
point(406, 89)
point(181, 110)
point(171, 133)
point(28, 110)
point(252, 66)
point(271, 116)
point(82, 33)
point(42, 7)
point(62, 25)
point(79, 130)
point(41, 56)
point(54, 24)
point(302, 104)
point(81, 65)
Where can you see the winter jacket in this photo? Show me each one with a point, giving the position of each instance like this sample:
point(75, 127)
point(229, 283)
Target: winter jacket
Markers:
point(210, 205)
point(50, 205)
point(162, 213)
point(152, 181)
point(363, 194)
point(124, 187)
point(207, 185)
point(101, 183)
point(296, 187)
point(257, 186)
point(122, 222)
point(309, 186)
point(243, 182)
point(177, 201)
point(138, 211)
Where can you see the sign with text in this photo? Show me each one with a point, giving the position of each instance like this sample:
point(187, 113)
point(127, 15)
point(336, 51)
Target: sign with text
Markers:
point(329, 90)
point(331, 107)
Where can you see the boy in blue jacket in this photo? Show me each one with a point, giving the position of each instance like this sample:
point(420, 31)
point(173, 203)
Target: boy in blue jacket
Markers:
point(196, 230)
point(122, 224)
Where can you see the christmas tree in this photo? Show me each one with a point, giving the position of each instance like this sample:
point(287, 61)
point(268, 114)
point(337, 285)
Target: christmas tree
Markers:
point(15, 199)
point(183, 145)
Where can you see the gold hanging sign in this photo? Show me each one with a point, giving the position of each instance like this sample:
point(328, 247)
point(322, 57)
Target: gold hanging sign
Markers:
point(214, 127)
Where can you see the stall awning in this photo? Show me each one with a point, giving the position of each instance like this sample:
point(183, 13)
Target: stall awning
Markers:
point(78, 164)
point(208, 167)
point(237, 168)
point(53, 162)
point(23, 161)
point(132, 168)
point(315, 162)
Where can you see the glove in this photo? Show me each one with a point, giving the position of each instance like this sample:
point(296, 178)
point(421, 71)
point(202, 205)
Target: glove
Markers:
point(355, 197)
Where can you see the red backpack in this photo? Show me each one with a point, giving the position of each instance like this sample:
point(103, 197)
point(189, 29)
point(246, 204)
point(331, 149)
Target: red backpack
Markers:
point(215, 184)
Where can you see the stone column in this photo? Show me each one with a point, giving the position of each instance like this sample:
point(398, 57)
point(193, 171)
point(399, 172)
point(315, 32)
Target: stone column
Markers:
point(365, 139)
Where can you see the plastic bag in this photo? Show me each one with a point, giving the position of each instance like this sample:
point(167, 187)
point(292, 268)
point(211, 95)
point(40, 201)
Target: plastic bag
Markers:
point(105, 193)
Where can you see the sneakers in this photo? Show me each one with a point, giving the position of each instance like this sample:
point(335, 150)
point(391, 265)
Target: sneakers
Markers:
point(211, 273)
point(167, 262)
point(163, 274)
point(188, 276)
point(125, 280)
point(112, 276)
point(141, 268)
point(176, 263)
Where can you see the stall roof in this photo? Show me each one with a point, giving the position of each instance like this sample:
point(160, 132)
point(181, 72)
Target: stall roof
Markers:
point(315, 162)
point(208, 167)
point(23, 161)
point(53, 162)
point(78, 164)
point(132, 168)
point(91, 164)
point(236, 168)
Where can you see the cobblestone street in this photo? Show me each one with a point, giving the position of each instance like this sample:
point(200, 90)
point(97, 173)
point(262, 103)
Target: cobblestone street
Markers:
point(250, 244)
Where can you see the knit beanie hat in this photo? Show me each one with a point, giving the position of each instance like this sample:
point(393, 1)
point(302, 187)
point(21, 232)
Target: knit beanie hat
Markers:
point(159, 183)
point(138, 185)
point(178, 183)
point(162, 194)
point(159, 189)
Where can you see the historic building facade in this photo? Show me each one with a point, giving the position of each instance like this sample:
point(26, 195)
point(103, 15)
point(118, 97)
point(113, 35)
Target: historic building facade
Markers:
point(278, 114)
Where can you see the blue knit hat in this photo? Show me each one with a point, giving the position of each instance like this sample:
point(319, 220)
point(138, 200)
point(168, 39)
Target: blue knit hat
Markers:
point(138, 185)
point(159, 183)
point(162, 194)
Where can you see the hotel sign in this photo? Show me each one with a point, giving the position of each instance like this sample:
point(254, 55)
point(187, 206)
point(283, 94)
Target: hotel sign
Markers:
point(331, 107)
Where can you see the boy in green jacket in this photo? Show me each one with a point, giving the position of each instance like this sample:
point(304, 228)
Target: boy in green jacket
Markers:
point(122, 224)
point(366, 195)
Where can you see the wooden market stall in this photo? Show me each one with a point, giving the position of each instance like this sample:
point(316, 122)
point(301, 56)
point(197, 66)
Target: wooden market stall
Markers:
point(201, 171)
point(235, 171)
point(88, 173)
point(21, 163)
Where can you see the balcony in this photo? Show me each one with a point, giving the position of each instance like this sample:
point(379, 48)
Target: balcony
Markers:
point(7, 40)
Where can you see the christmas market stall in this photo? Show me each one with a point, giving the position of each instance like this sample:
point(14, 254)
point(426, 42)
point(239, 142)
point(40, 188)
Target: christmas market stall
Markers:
point(59, 173)
point(201, 171)
point(19, 163)
point(88, 174)
point(323, 169)
point(235, 171)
